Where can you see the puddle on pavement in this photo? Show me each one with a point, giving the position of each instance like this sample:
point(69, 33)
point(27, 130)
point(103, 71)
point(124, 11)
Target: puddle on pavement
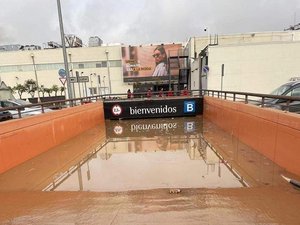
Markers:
point(146, 154)
point(150, 154)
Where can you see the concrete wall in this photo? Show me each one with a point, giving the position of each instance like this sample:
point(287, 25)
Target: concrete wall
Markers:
point(25, 138)
point(273, 133)
point(256, 68)
point(254, 62)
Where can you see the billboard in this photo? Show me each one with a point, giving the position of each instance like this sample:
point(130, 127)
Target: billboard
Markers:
point(149, 63)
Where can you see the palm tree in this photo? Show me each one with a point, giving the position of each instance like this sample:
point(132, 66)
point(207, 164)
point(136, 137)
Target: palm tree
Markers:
point(42, 90)
point(49, 91)
point(31, 86)
point(62, 89)
point(20, 89)
point(55, 88)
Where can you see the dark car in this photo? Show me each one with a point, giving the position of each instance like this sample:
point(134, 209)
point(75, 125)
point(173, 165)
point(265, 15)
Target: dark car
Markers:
point(289, 89)
point(5, 115)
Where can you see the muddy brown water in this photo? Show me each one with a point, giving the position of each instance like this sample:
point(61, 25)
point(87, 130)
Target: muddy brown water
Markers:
point(127, 174)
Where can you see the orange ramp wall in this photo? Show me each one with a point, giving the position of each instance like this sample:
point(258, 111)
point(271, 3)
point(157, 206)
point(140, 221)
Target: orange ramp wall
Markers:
point(25, 138)
point(274, 133)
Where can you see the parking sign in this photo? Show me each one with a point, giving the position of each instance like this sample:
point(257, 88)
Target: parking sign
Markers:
point(189, 107)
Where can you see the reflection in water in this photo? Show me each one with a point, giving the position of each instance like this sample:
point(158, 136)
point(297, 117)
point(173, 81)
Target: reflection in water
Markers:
point(140, 155)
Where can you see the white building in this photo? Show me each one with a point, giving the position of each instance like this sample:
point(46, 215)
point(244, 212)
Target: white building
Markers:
point(253, 62)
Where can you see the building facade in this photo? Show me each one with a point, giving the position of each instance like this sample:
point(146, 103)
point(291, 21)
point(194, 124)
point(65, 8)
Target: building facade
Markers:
point(101, 64)
point(253, 62)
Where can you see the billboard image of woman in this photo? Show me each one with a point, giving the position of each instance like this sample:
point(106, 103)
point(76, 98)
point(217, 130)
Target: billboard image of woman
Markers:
point(161, 61)
point(148, 63)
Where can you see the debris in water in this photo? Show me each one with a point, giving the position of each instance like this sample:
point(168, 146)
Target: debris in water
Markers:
point(291, 181)
point(174, 191)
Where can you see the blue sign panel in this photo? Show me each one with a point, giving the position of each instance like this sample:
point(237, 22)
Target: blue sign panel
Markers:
point(189, 107)
point(62, 73)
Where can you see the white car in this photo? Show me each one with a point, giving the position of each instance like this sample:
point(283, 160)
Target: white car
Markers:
point(26, 110)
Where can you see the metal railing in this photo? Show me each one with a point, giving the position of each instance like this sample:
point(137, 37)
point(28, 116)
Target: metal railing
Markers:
point(286, 103)
point(46, 106)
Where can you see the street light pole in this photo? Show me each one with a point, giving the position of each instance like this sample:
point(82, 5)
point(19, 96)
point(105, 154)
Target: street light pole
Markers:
point(36, 78)
point(62, 36)
point(71, 75)
point(208, 35)
point(91, 83)
point(99, 85)
point(108, 70)
point(104, 84)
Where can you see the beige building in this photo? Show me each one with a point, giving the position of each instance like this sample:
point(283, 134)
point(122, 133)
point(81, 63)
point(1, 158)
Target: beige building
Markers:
point(253, 62)
point(101, 64)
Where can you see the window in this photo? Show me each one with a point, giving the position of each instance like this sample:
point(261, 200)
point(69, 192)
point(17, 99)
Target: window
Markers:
point(7, 104)
point(49, 66)
point(296, 91)
point(57, 66)
point(115, 63)
point(280, 90)
point(101, 64)
point(89, 65)
point(19, 68)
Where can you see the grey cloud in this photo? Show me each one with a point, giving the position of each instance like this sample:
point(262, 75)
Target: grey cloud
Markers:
point(141, 21)
point(28, 21)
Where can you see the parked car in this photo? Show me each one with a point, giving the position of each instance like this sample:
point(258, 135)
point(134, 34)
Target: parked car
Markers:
point(5, 115)
point(289, 89)
point(26, 110)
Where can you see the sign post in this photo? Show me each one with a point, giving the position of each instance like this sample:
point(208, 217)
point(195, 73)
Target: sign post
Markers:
point(84, 79)
point(62, 36)
point(222, 75)
point(62, 76)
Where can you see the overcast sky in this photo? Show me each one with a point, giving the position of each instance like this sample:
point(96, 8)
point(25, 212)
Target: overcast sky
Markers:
point(141, 21)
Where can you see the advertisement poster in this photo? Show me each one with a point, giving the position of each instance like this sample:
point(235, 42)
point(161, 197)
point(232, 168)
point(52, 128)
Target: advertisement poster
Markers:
point(149, 63)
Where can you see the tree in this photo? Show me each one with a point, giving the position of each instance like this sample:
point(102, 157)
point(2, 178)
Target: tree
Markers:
point(62, 90)
point(20, 89)
point(55, 88)
point(49, 91)
point(31, 87)
point(11, 89)
point(42, 90)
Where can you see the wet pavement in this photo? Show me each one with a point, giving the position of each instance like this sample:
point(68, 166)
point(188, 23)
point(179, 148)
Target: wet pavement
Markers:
point(127, 174)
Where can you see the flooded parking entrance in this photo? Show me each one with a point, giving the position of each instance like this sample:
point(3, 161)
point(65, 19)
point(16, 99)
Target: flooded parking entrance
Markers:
point(150, 154)
point(146, 154)
point(190, 154)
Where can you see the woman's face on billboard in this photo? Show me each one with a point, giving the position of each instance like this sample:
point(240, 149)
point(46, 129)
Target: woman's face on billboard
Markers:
point(158, 56)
